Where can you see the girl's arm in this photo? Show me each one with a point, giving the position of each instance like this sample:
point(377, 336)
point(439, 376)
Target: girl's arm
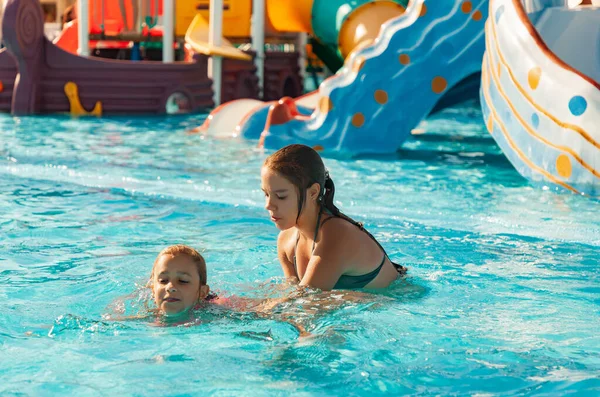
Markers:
point(301, 307)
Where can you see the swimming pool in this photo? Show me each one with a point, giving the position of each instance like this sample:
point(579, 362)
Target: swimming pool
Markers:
point(503, 296)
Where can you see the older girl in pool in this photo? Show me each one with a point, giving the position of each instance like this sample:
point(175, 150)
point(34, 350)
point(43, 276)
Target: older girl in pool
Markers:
point(318, 245)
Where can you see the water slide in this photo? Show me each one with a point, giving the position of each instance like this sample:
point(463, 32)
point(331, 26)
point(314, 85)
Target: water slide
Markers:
point(540, 91)
point(398, 65)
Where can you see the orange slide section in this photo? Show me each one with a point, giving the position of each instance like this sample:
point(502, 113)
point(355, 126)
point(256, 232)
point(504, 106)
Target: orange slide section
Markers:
point(113, 20)
point(113, 23)
point(68, 40)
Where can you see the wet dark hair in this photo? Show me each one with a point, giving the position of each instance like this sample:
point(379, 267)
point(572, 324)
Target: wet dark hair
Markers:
point(302, 166)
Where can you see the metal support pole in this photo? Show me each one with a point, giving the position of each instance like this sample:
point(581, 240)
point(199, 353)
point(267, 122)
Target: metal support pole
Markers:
point(301, 49)
point(168, 30)
point(83, 20)
point(258, 42)
point(215, 63)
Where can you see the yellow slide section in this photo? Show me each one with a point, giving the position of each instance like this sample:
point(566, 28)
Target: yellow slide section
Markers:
point(197, 37)
point(290, 15)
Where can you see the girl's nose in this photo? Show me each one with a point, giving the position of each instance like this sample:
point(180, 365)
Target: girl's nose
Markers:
point(170, 287)
point(269, 204)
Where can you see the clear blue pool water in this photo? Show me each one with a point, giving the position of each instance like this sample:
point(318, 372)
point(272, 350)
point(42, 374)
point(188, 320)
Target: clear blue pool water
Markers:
point(503, 296)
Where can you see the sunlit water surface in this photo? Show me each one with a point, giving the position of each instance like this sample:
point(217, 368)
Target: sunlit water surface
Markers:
point(502, 298)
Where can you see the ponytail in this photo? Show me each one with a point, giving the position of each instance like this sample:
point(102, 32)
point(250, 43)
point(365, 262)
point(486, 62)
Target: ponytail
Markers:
point(328, 195)
point(328, 205)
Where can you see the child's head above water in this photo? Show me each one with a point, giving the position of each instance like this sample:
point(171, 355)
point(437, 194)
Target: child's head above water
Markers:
point(178, 279)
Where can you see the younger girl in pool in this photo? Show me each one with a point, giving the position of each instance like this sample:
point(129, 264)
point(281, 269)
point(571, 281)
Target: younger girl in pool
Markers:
point(318, 245)
point(179, 282)
point(179, 286)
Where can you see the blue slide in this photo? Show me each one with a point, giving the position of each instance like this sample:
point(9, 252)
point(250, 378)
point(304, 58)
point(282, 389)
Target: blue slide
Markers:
point(419, 60)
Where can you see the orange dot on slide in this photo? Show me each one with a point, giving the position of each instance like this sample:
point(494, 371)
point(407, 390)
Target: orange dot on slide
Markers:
point(439, 84)
point(563, 166)
point(381, 97)
point(358, 120)
point(533, 77)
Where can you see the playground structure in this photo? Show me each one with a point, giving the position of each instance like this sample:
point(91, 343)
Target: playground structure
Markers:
point(540, 90)
point(124, 86)
point(389, 58)
point(399, 66)
point(50, 80)
point(539, 82)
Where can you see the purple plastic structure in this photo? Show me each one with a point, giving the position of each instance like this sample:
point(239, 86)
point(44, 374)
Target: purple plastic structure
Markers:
point(33, 72)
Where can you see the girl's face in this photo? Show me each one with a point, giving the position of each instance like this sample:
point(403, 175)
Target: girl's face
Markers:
point(176, 284)
point(281, 198)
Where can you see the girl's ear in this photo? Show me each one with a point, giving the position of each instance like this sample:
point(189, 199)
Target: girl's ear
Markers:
point(204, 290)
point(313, 191)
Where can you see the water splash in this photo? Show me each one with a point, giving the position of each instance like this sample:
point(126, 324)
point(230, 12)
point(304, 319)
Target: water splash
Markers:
point(68, 323)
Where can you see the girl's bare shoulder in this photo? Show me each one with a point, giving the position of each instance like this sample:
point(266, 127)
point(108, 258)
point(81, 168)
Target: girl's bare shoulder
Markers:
point(286, 241)
point(343, 233)
point(286, 237)
point(340, 227)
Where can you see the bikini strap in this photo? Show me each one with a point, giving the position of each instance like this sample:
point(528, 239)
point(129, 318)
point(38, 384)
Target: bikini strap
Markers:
point(399, 268)
point(328, 219)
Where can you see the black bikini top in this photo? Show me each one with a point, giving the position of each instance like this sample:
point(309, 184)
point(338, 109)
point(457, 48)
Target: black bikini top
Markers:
point(346, 281)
